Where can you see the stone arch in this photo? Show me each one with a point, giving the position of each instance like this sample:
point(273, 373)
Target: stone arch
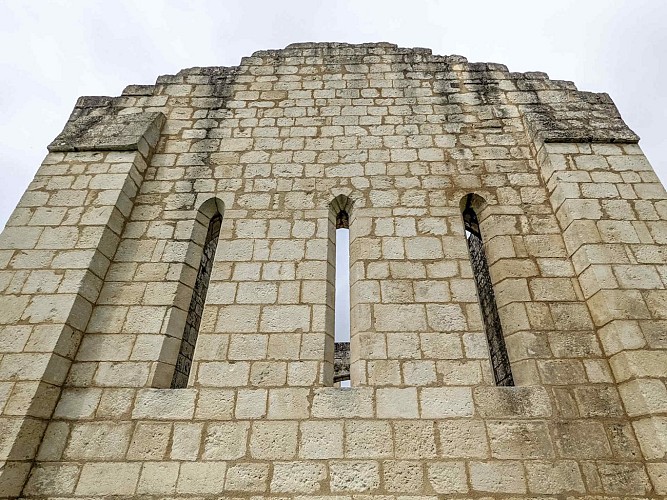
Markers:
point(341, 207)
point(209, 208)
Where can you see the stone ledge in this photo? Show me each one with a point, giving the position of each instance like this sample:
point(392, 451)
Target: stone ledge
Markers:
point(138, 90)
point(106, 132)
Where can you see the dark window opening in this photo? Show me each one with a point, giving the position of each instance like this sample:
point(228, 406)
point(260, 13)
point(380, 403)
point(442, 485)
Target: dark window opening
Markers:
point(342, 220)
point(500, 363)
point(342, 363)
point(193, 320)
point(342, 303)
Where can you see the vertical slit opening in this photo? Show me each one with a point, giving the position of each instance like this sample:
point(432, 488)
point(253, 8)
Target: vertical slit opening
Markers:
point(342, 301)
point(500, 364)
point(193, 320)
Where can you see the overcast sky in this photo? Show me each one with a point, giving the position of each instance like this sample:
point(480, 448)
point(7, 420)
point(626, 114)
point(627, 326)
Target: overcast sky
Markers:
point(52, 52)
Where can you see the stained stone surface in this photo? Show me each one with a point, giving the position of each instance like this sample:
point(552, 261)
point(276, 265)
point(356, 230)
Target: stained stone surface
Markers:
point(106, 132)
point(99, 261)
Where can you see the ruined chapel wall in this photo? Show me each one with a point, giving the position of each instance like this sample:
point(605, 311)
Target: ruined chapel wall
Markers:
point(404, 135)
point(420, 170)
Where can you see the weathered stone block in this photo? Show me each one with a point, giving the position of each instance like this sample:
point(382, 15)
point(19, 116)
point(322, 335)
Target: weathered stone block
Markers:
point(554, 478)
point(215, 404)
point(99, 441)
point(273, 440)
point(201, 477)
point(149, 441)
point(585, 439)
point(333, 403)
point(368, 438)
point(397, 403)
point(519, 440)
point(288, 404)
point(165, 404)
point(108, 478)
point(226, 440)
point(448, 477)
point(158, 478)
point(414, 439)
point(354, 476)
point(321, 440)
point(78, 403)
point(247, 477)
point(446, 402)
point(52, 480)
point(462, 438)
point(298, 477)
point(186, 440)
point(251, 403)
point(497, 477)
point(512, 402)
point(402, 476)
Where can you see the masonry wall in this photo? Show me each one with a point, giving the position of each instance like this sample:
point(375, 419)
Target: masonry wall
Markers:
point(100, 258)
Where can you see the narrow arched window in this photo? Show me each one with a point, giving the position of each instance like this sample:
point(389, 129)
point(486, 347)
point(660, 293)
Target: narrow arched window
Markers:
point(193, 320)
point(500, 363)
point(338, 297)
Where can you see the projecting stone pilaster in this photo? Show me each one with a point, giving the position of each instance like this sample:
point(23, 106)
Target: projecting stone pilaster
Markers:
point(59, 243)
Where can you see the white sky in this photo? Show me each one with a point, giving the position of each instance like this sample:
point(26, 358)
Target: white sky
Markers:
point(342, 305)
point(54, 51)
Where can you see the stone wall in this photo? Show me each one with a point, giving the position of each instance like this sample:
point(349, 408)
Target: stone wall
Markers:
point(100, 259)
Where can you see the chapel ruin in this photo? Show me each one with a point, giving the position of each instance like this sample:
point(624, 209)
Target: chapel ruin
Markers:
point(167, 289)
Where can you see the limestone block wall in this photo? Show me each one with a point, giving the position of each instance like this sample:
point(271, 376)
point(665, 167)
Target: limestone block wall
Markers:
point(610, 205)
point(56, 248)
point(569, 210)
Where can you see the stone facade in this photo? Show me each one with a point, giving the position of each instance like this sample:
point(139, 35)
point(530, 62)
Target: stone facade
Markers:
point(100, 259)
